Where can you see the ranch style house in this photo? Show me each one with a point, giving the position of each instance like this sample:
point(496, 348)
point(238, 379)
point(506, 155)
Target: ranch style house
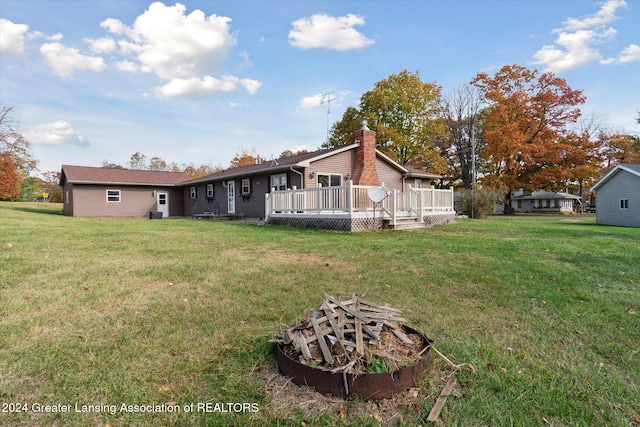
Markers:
point(349, 188)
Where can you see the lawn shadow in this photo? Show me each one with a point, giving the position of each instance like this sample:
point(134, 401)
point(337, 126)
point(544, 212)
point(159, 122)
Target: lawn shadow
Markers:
point(42, 210)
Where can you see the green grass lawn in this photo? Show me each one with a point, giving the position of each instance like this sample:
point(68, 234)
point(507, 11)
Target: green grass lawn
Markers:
point(107, 311)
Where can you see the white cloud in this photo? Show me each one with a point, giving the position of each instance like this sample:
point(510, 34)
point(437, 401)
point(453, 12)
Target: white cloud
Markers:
point(630, 54)
point(101, 45)
point(113, 26)
point(65, 60)
point(12, 37)
point(325, 31)
point(56, 134)
point(320, 99)
point(186, 50)
point(576, 42)
point(128, 66)
point(605, 15)
point(206, 85)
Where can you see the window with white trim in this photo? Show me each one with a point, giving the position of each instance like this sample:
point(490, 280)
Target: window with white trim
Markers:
point(624, 204)
point(66, 197)
point(246, 186)
point(417, 183)
point(192, 192)
point(210, 192)
point(279, 182)
point(113, 196)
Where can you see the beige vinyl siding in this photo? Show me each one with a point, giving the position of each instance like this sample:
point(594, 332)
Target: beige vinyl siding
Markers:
point(339, 164)
point(135, 201)
point(390, 176)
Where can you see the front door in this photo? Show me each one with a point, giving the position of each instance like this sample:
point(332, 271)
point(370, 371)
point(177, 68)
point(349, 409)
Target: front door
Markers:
point(163, 204)
point(231, 195)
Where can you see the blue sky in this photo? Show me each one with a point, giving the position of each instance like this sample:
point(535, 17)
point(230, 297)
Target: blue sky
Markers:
point(196, 81)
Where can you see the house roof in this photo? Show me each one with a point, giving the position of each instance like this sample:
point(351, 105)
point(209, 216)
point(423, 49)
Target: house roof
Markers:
point(632, 168)
point(542, 195)
point(301, 161)
point(93, 175)
point(418, 173)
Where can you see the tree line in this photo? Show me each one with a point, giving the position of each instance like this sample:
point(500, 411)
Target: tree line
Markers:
point(515, 129)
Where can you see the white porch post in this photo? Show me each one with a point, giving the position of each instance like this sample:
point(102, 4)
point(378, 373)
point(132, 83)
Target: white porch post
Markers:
point(394, 206)
point(452, 201)
point(318, 189)
point(293, 199)
point(267, 206)
point(350, 197)
point(433, 199)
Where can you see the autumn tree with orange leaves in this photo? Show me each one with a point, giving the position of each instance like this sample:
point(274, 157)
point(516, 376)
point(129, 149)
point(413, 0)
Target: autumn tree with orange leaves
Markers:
point(529, 141)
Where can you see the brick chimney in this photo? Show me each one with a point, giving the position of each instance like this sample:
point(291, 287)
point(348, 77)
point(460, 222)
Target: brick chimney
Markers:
point(365, 170)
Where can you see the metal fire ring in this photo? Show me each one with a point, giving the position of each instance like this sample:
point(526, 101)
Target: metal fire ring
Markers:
point(374, 386)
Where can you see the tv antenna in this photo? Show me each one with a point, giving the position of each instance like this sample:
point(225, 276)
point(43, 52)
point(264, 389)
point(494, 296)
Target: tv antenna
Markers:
point(326, 98)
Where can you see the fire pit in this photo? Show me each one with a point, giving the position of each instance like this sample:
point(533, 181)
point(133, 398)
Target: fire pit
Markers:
point(353, 347)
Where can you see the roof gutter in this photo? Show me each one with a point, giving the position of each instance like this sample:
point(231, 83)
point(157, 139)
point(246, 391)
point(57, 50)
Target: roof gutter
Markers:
point(299, 173)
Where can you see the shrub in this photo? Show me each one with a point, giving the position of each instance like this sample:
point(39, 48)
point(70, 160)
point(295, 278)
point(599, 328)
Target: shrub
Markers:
point(483, 203)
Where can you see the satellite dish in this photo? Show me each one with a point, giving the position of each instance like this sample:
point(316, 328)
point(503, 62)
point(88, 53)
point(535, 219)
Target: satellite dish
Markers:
point(376, 194)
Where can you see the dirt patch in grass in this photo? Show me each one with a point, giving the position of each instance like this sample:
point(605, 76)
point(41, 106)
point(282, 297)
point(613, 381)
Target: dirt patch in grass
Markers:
point(288, 401)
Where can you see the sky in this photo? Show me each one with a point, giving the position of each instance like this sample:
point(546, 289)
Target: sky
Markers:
point(196, 82)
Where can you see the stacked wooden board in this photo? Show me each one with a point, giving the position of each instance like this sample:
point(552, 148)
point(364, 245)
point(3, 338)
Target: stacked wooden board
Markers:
point(350, 336)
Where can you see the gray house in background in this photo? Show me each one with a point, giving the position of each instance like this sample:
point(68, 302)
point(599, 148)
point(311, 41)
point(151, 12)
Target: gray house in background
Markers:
point(545, 201)
point(618, 196)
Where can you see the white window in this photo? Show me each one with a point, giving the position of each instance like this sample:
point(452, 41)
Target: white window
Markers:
point(210, 192)
point(417, 183)
point(624, 204)
point(66, 197)
point(246, 186)
point(192, 192)
point(113, 196)
point(279, 182)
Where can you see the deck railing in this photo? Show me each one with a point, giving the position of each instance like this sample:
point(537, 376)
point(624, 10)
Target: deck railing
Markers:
point(348, 199)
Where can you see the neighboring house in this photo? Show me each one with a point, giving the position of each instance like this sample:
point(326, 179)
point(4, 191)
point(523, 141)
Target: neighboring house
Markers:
point(91, 191)
point(545, 202)
point(618, 196)
point(241, 191)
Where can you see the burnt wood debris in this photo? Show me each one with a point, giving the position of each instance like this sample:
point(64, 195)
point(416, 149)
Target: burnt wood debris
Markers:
point(352, 336)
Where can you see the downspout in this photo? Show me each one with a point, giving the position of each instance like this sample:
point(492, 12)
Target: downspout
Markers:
point(299, 173)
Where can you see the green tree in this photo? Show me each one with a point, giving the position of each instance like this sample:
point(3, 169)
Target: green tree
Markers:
point(406, 114)
point(138, 161)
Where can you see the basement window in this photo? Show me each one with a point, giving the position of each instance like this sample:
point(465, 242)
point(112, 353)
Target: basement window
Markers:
point(113, 196)
point(624, 204)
